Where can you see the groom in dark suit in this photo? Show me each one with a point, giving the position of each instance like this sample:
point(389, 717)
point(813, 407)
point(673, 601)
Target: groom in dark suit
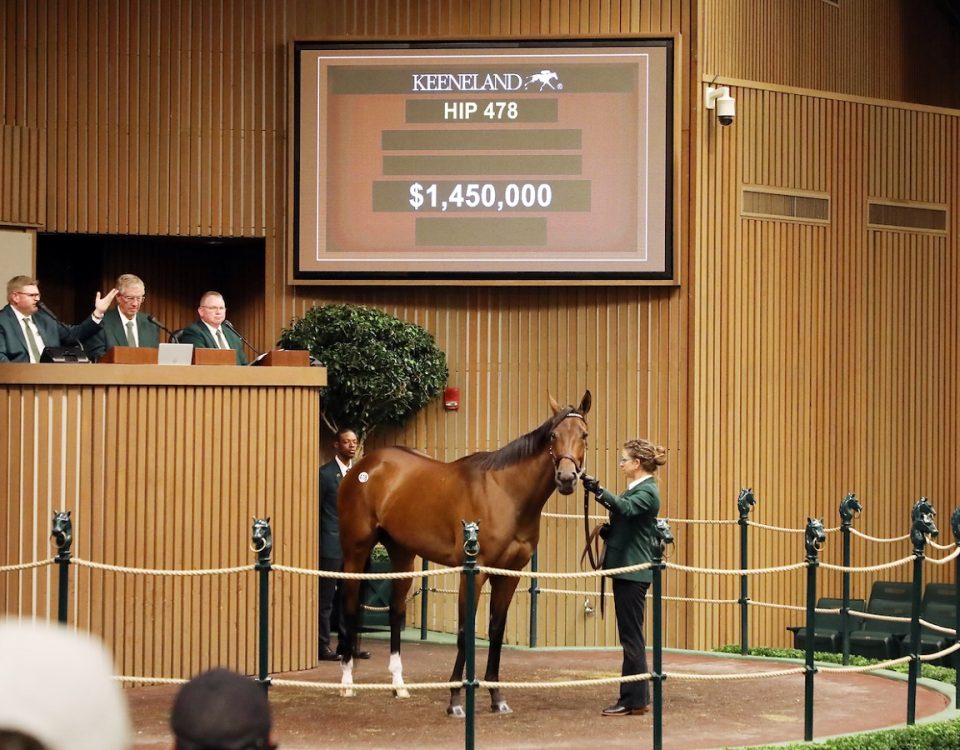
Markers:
point(26, 330)
point(125, 325)
point(331, 556)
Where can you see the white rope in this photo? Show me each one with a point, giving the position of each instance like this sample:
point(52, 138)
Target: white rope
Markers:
point(732, 677)
point(944, 560)
point(157, 572)
point(566, 683)
point(939, 546)
point(368, 576)
point(882, 618)
point(574, 516)
point(869, 568)
point(737, 572)
point(584, 574)
point(868, 668)
point(26, 566)
point(703, 521)
point(775, 528)
point(938, 628)
point(152, 680)
point(774, 605)
point(940, 654)
point(876, 538)
point(366, 685)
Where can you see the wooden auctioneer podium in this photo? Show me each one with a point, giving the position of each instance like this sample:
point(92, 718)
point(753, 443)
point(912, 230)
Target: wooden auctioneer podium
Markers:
point(164, 467)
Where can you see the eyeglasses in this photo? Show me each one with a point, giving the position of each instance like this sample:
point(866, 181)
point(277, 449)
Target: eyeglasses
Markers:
point(133, 297)
point(622, 460)
point(215, 308)
point(35, 295)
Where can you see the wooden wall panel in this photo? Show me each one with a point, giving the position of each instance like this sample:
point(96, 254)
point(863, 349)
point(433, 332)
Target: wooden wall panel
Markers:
point(886, 49)
point(824, 355)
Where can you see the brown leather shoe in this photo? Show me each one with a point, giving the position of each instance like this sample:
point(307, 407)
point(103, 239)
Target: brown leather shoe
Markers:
point(619, 710)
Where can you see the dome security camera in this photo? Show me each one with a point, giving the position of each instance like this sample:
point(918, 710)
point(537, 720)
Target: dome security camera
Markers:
point(718, 98)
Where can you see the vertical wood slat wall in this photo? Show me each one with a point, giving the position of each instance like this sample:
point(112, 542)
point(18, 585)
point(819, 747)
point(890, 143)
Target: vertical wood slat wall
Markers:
point(171, 119)
point(826, 355)
point(151, 489)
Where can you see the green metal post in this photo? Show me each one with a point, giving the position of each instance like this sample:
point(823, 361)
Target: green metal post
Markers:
point(922, 517)
point(534, 592)
point(263, 544)
point(471, 548)
point(661, 539)
point(62, 534)
point(744, 502)
point(849, 507)
point(955, 524)
point(424, 583)
point(814, 540)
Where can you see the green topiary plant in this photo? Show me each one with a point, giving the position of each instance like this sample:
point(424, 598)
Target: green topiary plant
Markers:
point(380, 370)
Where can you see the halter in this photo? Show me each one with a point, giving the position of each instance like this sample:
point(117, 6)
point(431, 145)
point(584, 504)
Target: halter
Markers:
point(557, 458)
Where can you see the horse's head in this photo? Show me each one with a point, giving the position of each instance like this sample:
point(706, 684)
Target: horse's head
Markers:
point(815, 536)
point(568, 443)
point(849, 508)
point(923, 524)
point(262, 540)
point(745, 501)
point(62, 530)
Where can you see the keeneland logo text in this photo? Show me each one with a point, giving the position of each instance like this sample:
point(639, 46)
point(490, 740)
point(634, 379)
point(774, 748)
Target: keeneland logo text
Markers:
point(439, 82)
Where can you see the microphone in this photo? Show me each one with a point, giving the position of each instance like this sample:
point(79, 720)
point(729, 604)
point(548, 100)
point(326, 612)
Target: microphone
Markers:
point(42, 306)
point(160, 325)
point(229, 325)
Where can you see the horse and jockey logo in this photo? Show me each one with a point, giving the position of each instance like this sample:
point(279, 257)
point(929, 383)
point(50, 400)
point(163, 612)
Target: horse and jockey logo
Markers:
point(546, 79)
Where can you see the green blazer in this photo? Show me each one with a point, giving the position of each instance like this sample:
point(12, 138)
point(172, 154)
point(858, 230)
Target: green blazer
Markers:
point(631, 537)
point(112, 333)
point(199, 335)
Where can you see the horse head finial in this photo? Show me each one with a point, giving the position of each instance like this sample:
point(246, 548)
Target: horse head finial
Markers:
point(923, 524)
point(62, 531)
point(955, 524)
point(814, 538)
point(471, 538)
point(745, 501)
point(849, 508)
point(663, 534)
point(262, 540)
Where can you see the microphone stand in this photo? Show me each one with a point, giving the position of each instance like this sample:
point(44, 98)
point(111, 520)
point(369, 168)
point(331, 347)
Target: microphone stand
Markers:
point(229, 325)
point(160, 325)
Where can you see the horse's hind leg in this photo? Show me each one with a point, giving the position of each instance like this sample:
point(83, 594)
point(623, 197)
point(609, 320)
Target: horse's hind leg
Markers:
point(501, 594)
point(400, 561)
point(455, 707)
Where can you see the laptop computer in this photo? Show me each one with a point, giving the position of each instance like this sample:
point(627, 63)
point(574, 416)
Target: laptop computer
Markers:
point(175, 354)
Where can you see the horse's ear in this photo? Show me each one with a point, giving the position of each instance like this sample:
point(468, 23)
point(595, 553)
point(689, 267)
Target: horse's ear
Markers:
point(553, 403)
point(585, 403)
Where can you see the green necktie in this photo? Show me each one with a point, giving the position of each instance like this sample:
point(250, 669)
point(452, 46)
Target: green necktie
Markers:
point(221, 342)
point(131, 339)
point(31, 339)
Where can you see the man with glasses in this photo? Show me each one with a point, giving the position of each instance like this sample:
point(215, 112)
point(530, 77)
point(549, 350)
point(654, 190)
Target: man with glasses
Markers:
point(26, 330)
point(211, 331)
point(125, 325)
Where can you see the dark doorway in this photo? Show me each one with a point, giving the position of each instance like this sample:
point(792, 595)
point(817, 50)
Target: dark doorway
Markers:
point(175, 270)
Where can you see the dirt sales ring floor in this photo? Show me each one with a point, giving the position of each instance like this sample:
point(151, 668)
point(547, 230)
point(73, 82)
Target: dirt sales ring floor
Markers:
point(697, 714)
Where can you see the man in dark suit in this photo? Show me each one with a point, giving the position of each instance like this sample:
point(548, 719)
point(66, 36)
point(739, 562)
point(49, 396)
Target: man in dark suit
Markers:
point(210, 332)
point(331, 556)
point(125, 325)
point(26, 330)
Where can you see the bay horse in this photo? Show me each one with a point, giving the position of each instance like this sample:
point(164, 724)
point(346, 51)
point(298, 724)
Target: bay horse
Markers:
point(415, 505)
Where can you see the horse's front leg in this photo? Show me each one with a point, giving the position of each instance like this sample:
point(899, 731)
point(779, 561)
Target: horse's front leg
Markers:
point(455, 708)
point(501, 594)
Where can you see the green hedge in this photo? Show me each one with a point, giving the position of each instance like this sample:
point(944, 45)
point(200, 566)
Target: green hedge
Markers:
point(939, 736)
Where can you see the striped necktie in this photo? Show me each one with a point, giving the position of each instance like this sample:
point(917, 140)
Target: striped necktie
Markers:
point(221, 342)
point(31, 339)
point(131, 338)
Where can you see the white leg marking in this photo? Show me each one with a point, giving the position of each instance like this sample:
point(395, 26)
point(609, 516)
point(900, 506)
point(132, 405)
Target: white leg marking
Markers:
point(396, 669)
point(346, 679)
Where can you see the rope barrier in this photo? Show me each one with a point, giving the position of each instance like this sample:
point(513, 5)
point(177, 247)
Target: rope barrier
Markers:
point(868, 668)
point(944, 560)
point(158, 572)
point(704, 521)
point(584, 574)
point(732, 677)
point(395, 576)
point(869, 568)
point(878, 539)
point(940, 654)
point(940, 546)
point(737, 572)
point(152, 680)
point(492, 685)
point(365, 685)
point(26, 566)
point(574, 516)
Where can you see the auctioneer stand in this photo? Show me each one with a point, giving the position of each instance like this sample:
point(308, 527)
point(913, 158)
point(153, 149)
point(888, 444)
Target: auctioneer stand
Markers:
point(163, 467)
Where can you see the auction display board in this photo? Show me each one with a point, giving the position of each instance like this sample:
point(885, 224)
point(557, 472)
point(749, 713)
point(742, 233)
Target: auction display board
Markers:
point(519, 162)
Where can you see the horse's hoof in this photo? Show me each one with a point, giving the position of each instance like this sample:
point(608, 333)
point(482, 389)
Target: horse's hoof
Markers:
point(401, 693)
point(500, 708)
point(456, 712)
point(348, 693)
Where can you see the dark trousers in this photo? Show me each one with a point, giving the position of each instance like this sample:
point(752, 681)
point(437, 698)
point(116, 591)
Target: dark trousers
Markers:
point(629, 600)
point(330, 606)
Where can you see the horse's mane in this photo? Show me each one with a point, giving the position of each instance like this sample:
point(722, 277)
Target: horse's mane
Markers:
point(519, 449)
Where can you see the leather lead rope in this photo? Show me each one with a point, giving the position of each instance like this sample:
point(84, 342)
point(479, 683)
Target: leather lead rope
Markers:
point(591, 550)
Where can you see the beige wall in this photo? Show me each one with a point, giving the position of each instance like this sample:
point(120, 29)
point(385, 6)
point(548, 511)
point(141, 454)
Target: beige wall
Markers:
point(774, 364)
